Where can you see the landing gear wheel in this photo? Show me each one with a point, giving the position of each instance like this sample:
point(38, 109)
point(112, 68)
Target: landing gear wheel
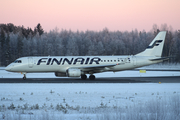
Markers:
point(24, 78)
point(83, 77)
point(92, 77)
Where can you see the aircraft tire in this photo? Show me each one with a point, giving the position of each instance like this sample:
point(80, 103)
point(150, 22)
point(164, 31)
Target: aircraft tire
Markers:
point(92, 77)
point(83, 77)
point(24, 77)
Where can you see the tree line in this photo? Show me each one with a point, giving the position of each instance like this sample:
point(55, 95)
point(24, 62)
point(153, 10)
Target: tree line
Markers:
point(17, 41)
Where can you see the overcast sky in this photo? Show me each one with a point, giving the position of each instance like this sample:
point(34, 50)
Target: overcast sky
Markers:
point(95, 15)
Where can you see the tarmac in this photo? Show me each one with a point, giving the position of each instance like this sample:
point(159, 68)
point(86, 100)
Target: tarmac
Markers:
point(172, 79)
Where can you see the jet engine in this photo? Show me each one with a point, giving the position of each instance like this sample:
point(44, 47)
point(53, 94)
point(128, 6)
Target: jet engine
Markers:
point(73, 72)
point(59, 74)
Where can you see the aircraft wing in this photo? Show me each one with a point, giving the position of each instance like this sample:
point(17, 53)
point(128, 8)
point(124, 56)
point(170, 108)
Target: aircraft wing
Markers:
point(98, 67)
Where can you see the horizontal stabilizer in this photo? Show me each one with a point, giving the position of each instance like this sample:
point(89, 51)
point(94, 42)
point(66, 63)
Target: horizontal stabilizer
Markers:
point(157, 59)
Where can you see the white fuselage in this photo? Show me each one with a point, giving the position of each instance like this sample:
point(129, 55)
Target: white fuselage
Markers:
point(62, 63)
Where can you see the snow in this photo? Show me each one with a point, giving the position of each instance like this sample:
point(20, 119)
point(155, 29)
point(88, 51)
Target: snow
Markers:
point(90, 101)
point(83, 94)
point(84, 100)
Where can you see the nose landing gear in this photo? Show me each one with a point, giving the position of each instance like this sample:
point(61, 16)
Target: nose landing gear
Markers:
point(24, 76)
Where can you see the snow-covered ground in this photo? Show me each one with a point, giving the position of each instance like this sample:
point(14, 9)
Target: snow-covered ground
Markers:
point(90, 101)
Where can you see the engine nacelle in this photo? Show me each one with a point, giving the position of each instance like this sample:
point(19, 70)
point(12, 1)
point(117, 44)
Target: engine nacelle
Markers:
point(59, 74)
point(73, 72)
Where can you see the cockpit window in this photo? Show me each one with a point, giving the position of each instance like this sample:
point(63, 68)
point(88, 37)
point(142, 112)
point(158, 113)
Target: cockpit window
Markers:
point(17, 61)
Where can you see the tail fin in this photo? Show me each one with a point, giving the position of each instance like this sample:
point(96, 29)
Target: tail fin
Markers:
point(156, 46)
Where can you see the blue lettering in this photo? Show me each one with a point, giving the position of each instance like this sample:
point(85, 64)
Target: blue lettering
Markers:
point(81, 60)
point(55, 60)
point(95, 59)
point(66, 60)
point(41, 61)
point(51, 61)
point(87, 60)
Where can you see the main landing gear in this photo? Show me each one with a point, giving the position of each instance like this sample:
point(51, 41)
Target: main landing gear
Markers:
point(92, 77)
point(84, 77)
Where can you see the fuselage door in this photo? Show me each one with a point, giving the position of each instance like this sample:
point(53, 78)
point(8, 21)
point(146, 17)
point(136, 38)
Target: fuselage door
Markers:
point(30, 62)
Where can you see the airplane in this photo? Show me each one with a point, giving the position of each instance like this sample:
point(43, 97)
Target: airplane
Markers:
point(80, 66)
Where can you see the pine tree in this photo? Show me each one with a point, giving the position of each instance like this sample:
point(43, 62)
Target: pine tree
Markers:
point(7, 51)
point(2, 38)
point(20, 45)
point(2, 41)
point(39, 29)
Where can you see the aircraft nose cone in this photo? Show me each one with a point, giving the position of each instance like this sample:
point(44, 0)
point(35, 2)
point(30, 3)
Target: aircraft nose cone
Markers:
point(8, 68)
